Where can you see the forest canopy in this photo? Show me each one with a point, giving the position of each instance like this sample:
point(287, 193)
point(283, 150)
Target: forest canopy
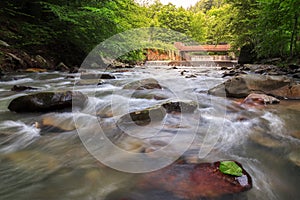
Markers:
point(71, 28)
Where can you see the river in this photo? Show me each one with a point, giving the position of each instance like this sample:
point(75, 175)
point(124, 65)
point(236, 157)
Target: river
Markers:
point(52, 164)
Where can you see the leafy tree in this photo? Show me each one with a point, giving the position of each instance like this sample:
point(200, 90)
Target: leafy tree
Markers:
point(218, 25)
point(277, 28)
point(199, 29)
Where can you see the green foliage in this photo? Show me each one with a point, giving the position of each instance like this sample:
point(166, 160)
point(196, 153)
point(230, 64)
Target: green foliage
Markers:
point(231, 168)
point(133, 56)
point(199, 29)
point(206, 5)
point(271, 26)
point(277, 28)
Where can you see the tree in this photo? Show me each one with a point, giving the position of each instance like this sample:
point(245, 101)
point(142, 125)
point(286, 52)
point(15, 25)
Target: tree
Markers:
point(198, 28)
point(218, 24)
point(277, 28)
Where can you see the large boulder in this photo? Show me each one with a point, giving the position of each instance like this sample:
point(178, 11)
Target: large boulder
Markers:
point(47, 102)
point(242, 86)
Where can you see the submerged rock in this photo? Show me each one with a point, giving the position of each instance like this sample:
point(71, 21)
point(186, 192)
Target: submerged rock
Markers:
point(266, 140)
point(32, 161)
point(296, 134)
point(192, 181)
point(242, 86)
point(294, 157)
point(144, 84)
point(57, 123)
point(47, 102)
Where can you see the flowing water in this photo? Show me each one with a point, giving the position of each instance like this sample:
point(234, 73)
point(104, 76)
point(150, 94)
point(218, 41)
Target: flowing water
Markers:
point(40, 163)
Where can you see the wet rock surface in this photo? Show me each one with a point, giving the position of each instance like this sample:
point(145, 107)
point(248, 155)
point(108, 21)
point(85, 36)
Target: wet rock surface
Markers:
point(20, 88)
point(190, 181)
point(47, 102)
point(242, 86)
point(144, 84)
point(260, 99)
point(180, 106)
point(294, 157)
point(262, 69)
point(97, 76)
point(266, 140)
point(56, 123)
point(143, 117)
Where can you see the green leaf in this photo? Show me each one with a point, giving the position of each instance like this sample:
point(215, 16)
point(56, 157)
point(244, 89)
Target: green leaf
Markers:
point(231, 168)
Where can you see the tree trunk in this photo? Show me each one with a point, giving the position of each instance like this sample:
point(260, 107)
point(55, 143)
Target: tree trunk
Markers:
point(293, 35)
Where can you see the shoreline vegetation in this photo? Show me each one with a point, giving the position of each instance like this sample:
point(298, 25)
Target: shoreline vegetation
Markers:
point(57, 35)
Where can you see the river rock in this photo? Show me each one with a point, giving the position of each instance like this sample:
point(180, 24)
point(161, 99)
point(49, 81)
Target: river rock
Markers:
point(266, 140)
point(242, 86)
point(62, 67)
point(260, 99)
point(296, 134)
point(294, 157)
point(143, 84)
point(143, 117)
point(57, 123)
point(180, 106)
point(97, 76)
point(42, 62)
point(146, 94)
point(32, 161)
point(195, 181)
point(47, 102)
point(20, 88)
point(104, 111)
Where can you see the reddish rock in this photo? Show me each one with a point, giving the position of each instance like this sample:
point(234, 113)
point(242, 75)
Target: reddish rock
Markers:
point(259, 99)
point(194, 181)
